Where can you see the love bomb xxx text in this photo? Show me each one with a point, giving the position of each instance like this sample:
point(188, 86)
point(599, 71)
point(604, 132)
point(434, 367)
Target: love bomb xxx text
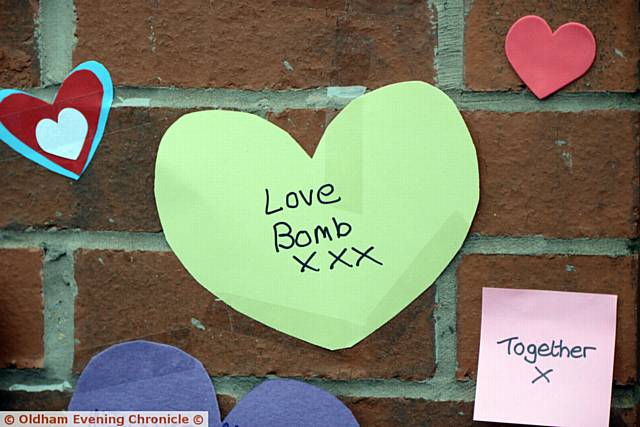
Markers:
point(285, 237)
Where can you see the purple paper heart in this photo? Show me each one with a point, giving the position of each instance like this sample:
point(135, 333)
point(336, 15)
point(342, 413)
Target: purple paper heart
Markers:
point(145, 376)
point(289, 403)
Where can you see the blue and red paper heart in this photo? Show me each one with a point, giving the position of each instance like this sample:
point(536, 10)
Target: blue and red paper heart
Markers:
point(63, 136)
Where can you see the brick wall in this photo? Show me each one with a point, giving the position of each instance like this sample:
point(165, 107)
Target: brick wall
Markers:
point(84, 264)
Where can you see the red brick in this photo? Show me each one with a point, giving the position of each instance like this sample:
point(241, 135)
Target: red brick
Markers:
point(115, 192)
point(557, 174)
point(305, 126)
point(385, 412)
point(614, 24)
point(625, 417)
point(130, 295)
point(19, 65)
point(595, 274)
point(226, 404)
point(258, 44)
point(41, 401)
point(21, 308)
point(30, 194)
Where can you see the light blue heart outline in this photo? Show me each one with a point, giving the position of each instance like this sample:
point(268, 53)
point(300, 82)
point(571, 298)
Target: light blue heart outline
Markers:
point(12, 141)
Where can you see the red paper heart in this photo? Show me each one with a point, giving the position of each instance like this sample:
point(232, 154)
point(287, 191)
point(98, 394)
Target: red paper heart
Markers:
point(547, 61)
point(82, 90)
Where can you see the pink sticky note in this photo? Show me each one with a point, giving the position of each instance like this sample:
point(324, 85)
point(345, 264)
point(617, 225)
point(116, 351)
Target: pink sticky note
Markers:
point(546, 357)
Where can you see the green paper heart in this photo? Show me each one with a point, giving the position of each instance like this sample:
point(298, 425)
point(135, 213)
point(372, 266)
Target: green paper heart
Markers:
point(397, 165)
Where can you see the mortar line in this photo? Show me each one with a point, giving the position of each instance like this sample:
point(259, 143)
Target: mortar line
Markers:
point(338, 97)
point(449, 60)
point(538, 245)
point(431, 389)
point(445, 322)
point(31, 380)
point(59, 307)
point(509, 102)
point(237, 386)
point(72, 240)
point(55, 36)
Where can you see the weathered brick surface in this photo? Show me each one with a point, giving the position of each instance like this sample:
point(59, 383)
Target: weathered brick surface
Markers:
point(21, 308)
point(557, 174)
point(595, 274)
point(614, 24)
point(258, 44)
point(129, 295)
point(19, 65)
point(41, 401)
point(226, 404)
point(114, 193)
point(305, 126)
point(385, 412)
point(625, 417)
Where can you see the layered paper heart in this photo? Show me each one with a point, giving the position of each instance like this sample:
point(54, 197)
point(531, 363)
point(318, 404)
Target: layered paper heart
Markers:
point(327, 248)
point(146, 376)
point(63, 136)
point(547, 61)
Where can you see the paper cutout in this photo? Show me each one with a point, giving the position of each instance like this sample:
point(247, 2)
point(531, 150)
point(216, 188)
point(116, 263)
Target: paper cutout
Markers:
point(547, 61)
point(63, 136)
point(289, 403)
point(376, 214)
point(145, 376)
point(546, 357)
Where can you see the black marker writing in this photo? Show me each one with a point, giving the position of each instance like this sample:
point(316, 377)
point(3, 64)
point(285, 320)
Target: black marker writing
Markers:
point(288, 237)
point(306, 264)
point(284, 237)
point(542, 375)
point(339, 259)
point(293, 198)
point(531, 352)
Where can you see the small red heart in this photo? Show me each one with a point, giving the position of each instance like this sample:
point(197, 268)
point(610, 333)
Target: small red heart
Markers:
point(547, 61)
point(84, 97)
